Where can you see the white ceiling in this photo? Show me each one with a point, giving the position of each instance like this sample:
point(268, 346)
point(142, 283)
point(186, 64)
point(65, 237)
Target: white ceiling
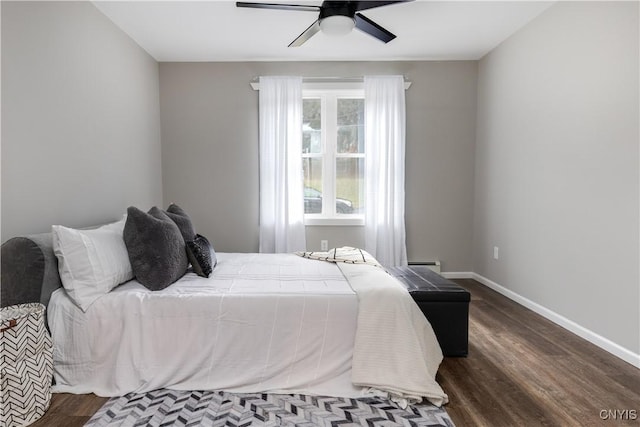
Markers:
point(220, 31)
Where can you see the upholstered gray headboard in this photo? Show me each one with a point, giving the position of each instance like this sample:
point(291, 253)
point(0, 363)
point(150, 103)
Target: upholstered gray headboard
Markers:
point(29, 270)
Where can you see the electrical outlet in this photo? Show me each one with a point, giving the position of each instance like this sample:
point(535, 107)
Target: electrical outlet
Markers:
point(496, 252)
point(324, 245)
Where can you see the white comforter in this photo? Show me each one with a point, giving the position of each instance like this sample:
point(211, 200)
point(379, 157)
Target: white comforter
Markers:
point(272, 323)
point(260, 323)
point(395, 350)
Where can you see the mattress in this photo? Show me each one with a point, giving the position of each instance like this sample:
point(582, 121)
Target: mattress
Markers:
point(260, 323)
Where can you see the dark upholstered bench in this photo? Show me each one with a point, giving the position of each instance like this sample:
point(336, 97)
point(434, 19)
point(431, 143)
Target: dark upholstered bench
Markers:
point(444, 304)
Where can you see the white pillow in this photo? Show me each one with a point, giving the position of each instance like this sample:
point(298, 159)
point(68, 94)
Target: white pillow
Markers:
point(91, 262)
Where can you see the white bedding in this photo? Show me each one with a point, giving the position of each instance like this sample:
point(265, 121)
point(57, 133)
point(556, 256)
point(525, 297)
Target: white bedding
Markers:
point(269, 323)
point(395, 349)
point(260, 323)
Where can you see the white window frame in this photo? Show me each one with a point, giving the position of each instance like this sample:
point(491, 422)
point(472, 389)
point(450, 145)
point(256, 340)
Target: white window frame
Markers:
point(329, 96)
point(328, 85)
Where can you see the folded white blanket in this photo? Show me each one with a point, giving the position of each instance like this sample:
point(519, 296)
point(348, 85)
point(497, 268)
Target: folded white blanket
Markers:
point(395, 349)
point(344, 254)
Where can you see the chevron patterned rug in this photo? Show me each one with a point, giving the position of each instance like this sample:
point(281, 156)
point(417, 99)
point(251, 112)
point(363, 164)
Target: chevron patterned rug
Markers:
point(163, 408)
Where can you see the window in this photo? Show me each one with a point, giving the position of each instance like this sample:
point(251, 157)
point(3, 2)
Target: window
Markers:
point(333, 157)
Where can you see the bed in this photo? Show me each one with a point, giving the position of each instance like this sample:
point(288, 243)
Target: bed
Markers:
point(276, 323)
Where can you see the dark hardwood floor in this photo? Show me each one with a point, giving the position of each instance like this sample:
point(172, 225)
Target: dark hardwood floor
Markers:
point(522, 370)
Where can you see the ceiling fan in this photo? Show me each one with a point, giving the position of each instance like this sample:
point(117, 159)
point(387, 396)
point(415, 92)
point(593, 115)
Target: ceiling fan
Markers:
point(335, 18)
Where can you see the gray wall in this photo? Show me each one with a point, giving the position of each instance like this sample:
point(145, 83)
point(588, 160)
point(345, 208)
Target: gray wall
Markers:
point(210, 152)
point(80, 118)
point(557, 182)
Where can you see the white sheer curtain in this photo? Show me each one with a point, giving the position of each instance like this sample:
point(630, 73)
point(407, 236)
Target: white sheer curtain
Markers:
point(281, 196)
point(384, 169)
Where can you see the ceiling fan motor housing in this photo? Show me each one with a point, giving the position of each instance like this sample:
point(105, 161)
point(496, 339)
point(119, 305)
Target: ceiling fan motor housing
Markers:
point(337, 8)
point(345, 16)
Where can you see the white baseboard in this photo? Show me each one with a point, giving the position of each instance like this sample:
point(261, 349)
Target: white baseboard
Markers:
point(602, 342)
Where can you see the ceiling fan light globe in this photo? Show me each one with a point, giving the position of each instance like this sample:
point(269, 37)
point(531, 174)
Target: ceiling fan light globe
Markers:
point(337, 25)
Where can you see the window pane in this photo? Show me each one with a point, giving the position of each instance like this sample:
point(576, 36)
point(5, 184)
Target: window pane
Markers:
point(312, 169)
point(350, 185)
point(311, 129)
point(350, 125)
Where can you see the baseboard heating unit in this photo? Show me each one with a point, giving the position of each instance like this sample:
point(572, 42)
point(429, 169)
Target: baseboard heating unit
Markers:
point(432, 265)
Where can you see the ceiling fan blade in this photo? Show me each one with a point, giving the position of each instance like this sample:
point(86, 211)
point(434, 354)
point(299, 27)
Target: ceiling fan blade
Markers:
point(364, 5)
point(300, 7)
point(306, 34)
point(368, 26)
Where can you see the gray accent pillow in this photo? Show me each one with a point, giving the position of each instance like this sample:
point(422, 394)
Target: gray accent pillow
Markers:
point(156, 248)
point(182, 220)
point(201, 256)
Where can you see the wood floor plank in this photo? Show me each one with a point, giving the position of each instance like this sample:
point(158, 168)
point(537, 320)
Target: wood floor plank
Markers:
point(70, 410)
point(522, 370)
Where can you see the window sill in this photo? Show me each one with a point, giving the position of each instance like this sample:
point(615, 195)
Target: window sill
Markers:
point(334, 221)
